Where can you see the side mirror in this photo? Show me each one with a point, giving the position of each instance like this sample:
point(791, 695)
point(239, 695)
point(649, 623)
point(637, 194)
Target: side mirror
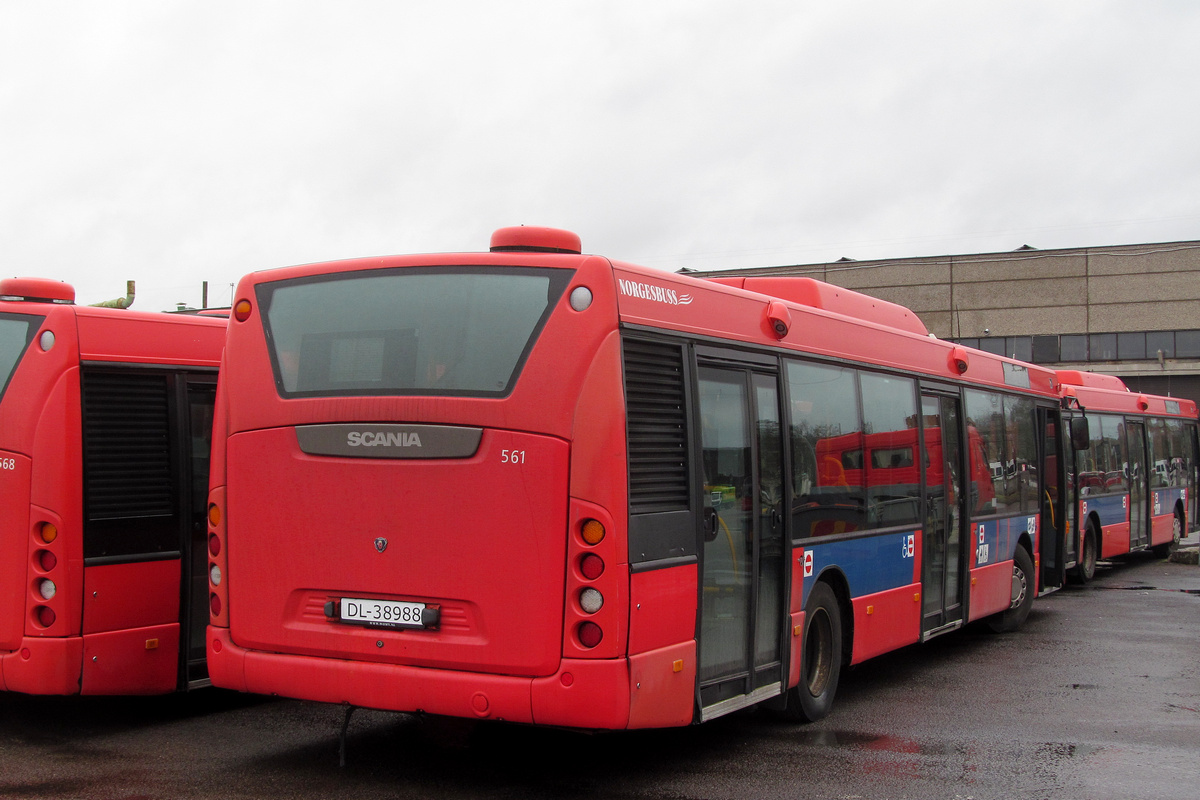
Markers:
point(1080, 436)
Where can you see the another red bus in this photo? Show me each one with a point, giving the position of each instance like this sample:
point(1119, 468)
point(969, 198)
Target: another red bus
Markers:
point(105, 425)
point(549, 487)
point(1134, 485)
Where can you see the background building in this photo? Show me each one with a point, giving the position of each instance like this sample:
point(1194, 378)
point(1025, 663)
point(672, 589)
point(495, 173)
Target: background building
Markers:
point(1127, 310)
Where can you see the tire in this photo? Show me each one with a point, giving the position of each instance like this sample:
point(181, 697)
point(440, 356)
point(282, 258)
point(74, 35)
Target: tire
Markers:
point(1023, 588)
point(1085, 570)
point(1164, 550)
point(820, 660)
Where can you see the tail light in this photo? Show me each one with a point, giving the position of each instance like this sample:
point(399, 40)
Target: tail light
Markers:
point(590, 634)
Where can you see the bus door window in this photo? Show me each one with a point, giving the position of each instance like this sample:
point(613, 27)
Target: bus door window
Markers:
point(771, 555)
point(725, 445)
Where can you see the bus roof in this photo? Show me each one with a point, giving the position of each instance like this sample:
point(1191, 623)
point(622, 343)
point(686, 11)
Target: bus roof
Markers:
point(799, 314)
point(1094, 392)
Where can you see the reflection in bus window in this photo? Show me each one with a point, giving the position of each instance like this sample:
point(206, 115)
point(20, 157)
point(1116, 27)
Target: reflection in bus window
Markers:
point(890, 427)
point(825, 435)
point(985, 416)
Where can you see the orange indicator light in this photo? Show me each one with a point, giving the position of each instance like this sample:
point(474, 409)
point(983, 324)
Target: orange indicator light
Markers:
point(593, 532)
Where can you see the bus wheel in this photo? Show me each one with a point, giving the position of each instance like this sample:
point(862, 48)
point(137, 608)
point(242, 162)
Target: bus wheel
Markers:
point(1164, 550)
point(820, 660)
point(1023, 588)
point(1085, 570)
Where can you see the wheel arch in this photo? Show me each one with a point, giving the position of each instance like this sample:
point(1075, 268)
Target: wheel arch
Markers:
point(837, 581)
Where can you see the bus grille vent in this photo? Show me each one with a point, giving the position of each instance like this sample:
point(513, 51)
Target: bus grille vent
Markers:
point(126, 446)
point(657, 427)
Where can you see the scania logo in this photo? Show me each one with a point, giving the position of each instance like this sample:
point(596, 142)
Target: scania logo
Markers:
point(380, 544)
point(383, 438)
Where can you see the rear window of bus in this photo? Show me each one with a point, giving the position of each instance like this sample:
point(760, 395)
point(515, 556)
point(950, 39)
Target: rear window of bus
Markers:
point(462, 331)
point(16, 332)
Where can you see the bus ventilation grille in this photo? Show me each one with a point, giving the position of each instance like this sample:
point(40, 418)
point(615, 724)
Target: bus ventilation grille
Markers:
point(657, 427)
point(126, 446)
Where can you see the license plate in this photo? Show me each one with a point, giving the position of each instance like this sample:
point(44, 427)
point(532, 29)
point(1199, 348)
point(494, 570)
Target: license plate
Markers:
point(381, 613)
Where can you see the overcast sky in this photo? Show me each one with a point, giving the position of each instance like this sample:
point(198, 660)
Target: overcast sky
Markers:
point(177, 142)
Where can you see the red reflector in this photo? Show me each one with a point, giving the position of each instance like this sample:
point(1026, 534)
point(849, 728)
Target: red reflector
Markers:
point(46, 616)
point(241, 310)
point(214, 605)
point(589, 634)
point(214, 545)
point(592, 566)
point(47, 560)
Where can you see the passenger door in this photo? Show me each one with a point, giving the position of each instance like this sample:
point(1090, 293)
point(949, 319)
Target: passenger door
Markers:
point(743, 548)
point(942, 553)
point(1053, 447)
point(1138, 478)
point(197, 438)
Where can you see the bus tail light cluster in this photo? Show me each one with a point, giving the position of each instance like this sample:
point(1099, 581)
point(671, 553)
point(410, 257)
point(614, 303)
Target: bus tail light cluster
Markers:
point(47, 577)
point(218, 592)
point(595, 590)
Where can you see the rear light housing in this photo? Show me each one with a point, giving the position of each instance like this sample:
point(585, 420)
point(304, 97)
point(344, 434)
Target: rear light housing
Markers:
point(597, 585)
point(218, 570)
point(49, 579)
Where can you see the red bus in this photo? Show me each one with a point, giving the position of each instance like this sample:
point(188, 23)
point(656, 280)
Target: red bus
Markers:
point(548, 487)
point(1134, 472)
point(105, 425)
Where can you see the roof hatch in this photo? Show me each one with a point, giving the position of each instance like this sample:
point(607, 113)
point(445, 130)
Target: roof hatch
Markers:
point(522, 239)
point(37, 290)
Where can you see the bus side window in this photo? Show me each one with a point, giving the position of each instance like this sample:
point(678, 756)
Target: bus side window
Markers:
point(827, 450)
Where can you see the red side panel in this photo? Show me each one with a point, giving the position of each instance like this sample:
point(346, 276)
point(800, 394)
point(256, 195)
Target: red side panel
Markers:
point(662, 609)
point(1116, 540)
point(663, 687)
point(991, 589)
point(120, 596)
point(886, 621)
point(797, 647)
point(1162, 528)
point(154, 338)
point(139, 661)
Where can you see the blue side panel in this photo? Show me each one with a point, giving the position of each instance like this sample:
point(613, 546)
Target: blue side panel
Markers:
point(996, 539)
point(871, 563)
point(1111, 508)
point(1165, 498)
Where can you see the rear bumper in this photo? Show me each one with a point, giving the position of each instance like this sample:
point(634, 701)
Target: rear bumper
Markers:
point(583, 693)
point(50, 665)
